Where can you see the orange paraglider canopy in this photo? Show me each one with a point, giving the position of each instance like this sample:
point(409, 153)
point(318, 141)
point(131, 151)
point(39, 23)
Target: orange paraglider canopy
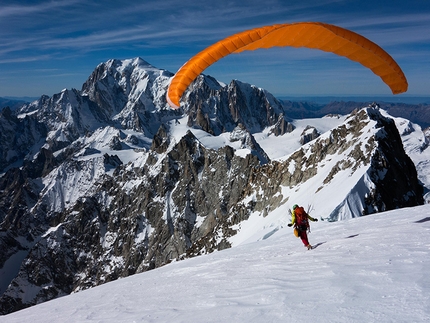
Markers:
point(315, 35)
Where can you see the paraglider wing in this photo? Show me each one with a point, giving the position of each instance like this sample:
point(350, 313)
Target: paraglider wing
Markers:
point(315, 35)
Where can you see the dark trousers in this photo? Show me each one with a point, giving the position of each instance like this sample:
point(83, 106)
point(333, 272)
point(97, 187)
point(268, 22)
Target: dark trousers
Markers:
point(304, 236)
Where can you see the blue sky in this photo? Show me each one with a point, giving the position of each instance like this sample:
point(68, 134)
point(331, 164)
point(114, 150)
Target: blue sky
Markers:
point(47, 46)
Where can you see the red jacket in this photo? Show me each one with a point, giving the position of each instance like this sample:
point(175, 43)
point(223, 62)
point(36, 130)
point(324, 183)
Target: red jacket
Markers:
point(299, 217)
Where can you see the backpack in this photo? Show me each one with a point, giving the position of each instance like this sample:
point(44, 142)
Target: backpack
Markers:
point(301, 218)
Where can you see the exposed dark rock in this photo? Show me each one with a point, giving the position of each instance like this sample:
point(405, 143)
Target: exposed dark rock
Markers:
point(309, 133)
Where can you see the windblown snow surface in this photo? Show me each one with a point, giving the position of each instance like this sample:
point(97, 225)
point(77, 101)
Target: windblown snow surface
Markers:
point(367, 269)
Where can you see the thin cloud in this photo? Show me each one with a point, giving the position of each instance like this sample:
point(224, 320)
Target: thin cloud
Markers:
point(24, 59)
point(110, 38)
point(377, 21)
point(22, 10)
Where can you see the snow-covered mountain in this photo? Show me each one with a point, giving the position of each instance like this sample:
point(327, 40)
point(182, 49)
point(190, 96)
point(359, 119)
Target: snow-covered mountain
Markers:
point(370, 269)
point(109, 181)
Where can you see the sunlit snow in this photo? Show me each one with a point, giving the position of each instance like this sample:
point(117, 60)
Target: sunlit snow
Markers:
point(368, 269)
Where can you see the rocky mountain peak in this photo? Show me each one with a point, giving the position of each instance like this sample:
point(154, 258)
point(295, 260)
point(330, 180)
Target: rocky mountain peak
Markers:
point(217, 109)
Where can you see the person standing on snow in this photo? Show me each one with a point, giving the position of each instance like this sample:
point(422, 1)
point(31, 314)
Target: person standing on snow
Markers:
point(300, 220)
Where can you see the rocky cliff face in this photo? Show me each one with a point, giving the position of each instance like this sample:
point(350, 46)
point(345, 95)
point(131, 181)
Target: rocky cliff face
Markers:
point(17, 135)
point(108, 188)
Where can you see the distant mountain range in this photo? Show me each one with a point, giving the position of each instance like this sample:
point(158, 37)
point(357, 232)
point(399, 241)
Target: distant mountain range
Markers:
point(370, 98)
point(417, 113)
point(14, 103)
point(416, 109)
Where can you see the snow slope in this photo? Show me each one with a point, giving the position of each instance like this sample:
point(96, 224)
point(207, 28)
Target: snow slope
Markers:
point(368, 269)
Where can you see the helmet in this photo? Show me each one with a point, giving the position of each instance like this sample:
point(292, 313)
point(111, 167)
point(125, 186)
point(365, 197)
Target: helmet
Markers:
point(295, 206)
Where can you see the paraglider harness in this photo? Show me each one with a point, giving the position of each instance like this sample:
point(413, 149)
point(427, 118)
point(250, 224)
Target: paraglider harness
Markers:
point(302, 222)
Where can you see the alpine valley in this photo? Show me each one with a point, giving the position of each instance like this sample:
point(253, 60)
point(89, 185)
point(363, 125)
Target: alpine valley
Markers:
point(109, 181)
